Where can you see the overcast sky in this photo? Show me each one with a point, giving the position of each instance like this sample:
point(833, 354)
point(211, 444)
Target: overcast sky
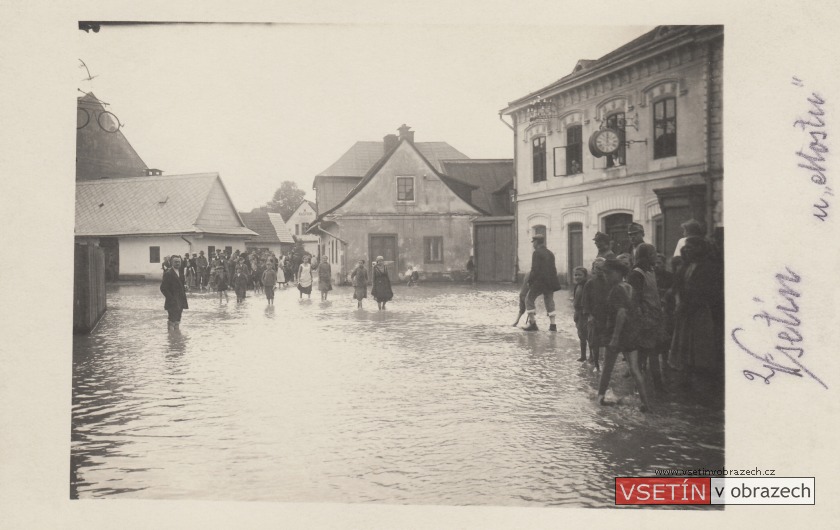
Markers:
point(265, 103)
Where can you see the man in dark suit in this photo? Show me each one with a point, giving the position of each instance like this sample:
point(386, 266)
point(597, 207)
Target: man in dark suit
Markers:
point(542, 280)
point(173, 290)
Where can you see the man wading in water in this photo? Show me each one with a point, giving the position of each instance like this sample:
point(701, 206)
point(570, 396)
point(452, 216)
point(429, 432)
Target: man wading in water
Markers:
point(173, 290)
point(541, 281)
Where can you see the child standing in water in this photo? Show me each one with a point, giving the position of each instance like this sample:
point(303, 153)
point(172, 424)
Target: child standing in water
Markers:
point(269, 278)
point(240, 284)
point(580, 276)
point(359, 276)
point(324, 278)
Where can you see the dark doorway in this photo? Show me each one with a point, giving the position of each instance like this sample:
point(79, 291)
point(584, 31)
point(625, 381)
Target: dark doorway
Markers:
point(384, 245)
point(111, 247)
point(615, 226)
point(575, 249)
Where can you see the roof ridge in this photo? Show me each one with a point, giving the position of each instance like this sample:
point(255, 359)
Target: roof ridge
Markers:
point(148, 178)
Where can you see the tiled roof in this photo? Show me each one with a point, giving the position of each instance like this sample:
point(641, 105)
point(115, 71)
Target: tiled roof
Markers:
point(170, 204)
point(358, 160)
point(266, 227)
point(486, 176)
point(381, 162)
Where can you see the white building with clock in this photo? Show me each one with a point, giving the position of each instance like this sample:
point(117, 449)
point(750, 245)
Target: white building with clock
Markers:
point(633, 136)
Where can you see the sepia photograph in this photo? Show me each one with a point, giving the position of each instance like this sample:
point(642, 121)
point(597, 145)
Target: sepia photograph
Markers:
point(396, 264)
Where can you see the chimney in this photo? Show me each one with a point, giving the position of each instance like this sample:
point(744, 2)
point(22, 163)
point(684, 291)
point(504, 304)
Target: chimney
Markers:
point(391, 142)
point(406, 134)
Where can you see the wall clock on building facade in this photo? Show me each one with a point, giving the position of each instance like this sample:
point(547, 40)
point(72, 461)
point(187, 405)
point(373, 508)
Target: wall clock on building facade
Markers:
point(604, 142)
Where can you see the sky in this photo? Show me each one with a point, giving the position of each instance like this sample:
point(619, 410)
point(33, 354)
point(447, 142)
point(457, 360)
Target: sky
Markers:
point(260, 104)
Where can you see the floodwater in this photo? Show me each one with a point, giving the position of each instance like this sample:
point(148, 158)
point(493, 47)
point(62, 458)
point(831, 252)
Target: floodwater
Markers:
point(437, 400)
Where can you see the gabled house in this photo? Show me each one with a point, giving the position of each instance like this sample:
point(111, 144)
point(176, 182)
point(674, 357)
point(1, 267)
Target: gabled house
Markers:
point(300, 221)
point(402, 208)
point(334, 183)
point(139, 220)
point(272, 233)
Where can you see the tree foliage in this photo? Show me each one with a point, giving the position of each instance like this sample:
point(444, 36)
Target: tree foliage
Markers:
point(286, 199)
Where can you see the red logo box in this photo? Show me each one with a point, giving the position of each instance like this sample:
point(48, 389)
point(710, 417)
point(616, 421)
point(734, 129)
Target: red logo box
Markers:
point(661, 490)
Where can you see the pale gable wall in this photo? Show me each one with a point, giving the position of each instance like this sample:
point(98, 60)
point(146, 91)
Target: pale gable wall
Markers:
point(430, 194)
point(304, 214)
point(331, 190)
point(218, 211)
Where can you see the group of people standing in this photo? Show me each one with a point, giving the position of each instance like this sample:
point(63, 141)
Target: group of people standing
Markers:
point(630, 304)
point(260, 271)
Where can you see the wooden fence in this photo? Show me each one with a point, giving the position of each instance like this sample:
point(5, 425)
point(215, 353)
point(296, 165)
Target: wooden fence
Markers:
point(88, 287)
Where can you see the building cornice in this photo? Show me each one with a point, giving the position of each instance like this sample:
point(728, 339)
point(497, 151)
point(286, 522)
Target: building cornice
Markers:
point(698, 170)
point(629, 67)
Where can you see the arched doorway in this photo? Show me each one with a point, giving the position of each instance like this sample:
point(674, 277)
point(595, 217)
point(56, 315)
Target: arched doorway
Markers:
point(615, 226)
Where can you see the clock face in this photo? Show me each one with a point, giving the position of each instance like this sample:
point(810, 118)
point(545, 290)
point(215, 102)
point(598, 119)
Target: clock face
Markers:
point(607, 141)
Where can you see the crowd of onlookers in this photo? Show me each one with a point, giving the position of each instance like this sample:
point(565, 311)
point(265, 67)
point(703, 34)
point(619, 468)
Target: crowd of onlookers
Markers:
point(662, 321)
point(241, 271)
point(629, 303)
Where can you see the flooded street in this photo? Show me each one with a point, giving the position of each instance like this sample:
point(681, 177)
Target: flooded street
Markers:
point(438, 400)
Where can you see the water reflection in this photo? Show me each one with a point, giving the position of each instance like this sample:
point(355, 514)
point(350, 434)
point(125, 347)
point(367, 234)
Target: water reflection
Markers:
point(435, 400)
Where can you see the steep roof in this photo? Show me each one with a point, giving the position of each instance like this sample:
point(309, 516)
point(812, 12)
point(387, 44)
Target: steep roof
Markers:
point(358, 160)
point(99, 153)
point(457, 190)
point(265, 224)
point(488, 178)
point(171, 204)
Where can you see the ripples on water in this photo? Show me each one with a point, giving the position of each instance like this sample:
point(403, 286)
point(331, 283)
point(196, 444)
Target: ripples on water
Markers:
point(437, 400)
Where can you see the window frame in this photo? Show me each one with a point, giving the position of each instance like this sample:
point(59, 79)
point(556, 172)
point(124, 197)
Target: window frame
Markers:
point(612, 122)
point(577, 146)
point(427, 249)
point(669, 149)
point(152, 249)
point(539, 142)
point(403, 178)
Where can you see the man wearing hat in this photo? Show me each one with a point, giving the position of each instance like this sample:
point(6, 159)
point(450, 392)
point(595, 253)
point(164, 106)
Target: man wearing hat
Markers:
point(602, 241)
point(542, 280)
point(201, 266)
point(636, 232)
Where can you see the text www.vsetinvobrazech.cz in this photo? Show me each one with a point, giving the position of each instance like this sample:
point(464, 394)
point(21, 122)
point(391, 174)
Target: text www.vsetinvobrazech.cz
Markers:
point(703, 472)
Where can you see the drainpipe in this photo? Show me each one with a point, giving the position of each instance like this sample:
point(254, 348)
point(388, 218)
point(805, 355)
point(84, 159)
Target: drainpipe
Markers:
point(188, 243)
point(514, 200)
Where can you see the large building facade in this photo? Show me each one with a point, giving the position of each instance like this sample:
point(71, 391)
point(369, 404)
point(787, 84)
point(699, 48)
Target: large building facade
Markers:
point(633, 136)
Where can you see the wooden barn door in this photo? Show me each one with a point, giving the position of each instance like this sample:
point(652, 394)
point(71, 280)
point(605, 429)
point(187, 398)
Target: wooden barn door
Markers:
point(494, 252)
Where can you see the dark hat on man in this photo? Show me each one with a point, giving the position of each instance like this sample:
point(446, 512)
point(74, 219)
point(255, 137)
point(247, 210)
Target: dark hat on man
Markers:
point(538, 237)
point(632, 228)
point(600, 236)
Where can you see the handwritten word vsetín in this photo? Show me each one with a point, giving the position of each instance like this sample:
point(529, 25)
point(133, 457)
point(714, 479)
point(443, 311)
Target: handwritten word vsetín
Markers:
point(783, 323)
